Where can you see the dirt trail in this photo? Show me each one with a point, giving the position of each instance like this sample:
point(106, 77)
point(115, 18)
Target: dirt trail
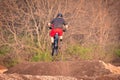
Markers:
point(3, 69)
point(86, 70)
point(113, 69)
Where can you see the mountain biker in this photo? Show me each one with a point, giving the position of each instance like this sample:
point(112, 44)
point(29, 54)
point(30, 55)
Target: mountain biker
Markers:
point(57, 25)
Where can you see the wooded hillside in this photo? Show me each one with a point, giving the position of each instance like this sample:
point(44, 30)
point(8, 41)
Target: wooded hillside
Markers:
point(94, 29)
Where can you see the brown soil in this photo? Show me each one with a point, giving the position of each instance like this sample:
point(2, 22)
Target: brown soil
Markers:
point(2, 69)
point(82, 70)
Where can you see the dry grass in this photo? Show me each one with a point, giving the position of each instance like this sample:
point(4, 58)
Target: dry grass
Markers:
point(24, 25)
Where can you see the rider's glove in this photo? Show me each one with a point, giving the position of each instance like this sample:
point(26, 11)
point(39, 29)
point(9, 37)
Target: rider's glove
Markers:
point(64, 30)
point(49, 27)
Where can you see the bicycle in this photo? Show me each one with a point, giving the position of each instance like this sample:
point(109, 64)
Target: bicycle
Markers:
point(55, 45)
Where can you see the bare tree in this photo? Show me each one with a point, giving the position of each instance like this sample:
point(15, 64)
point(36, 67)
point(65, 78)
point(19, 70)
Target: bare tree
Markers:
point(23, 23)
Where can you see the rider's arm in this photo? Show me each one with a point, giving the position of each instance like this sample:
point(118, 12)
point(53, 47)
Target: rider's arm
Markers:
point(66, 26)
point(49, 26)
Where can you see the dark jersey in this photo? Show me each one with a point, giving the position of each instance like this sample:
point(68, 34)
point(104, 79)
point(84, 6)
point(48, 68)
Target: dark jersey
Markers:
point(58, 22)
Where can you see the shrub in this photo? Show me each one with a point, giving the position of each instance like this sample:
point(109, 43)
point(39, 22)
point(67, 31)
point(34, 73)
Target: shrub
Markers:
point(79, 51)
point(42, 56)
point(117, 52)
point(4, 49)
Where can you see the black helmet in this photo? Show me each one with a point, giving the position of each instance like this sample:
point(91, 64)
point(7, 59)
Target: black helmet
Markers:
point(59, 15)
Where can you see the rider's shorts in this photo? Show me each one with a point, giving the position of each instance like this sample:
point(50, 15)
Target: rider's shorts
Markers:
point(56, 30)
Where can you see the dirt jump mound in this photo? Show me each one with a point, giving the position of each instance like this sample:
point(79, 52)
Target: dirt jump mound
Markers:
point(82, 70)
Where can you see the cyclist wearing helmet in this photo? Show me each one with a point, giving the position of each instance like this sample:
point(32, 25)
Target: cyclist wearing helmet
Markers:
point(56, 26)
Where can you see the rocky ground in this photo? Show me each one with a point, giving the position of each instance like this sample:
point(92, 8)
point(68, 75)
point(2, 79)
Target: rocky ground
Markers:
point(58, 70)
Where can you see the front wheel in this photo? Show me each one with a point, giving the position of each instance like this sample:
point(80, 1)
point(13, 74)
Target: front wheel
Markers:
point(55, 50)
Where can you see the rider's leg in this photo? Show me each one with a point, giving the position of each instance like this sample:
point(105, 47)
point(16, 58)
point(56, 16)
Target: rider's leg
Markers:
point(60, 33)
point(52, 40)
point(61, 37)
point(52, 33)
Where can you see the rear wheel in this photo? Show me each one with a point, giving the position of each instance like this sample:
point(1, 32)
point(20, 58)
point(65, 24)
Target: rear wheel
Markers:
point(55, 51)
point(55, 45)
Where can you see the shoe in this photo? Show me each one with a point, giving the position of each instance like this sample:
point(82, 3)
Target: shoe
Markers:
point(60, 40)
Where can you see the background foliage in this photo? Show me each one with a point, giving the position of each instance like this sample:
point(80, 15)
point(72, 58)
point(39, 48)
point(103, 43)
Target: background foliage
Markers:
point(94, 29)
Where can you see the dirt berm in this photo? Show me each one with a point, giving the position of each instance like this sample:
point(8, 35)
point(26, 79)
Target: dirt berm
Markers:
point(80, 70)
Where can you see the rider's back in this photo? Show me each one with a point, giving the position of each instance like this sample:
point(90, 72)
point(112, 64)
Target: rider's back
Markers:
point(58, 22)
